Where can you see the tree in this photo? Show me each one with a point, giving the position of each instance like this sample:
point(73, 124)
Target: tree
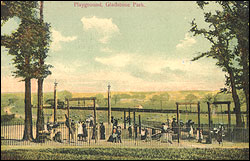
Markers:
point(223, 49)
point(209, 98)
point(25, 45)
point(20, 9)
point(191, 97)
point(42, 70)
point(99, 99)
point(65, 95)
point(22, 44)
point(116, 98)
point(164, 97)
point(12, 100)
point(236, 18)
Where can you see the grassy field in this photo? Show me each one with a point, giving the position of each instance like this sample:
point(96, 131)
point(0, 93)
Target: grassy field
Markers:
point(125, 154)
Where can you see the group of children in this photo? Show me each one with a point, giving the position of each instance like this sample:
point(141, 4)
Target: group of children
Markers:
point(167, 130)
point(115, 137)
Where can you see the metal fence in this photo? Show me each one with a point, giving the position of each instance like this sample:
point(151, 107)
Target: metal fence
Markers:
point(12, 134)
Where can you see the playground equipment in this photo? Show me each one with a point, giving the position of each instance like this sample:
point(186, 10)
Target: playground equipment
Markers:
point(222, 119)
point(178, 118)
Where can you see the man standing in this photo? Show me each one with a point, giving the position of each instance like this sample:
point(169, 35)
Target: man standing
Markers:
point(102, 131)
point(85, 131)
point(130, 131)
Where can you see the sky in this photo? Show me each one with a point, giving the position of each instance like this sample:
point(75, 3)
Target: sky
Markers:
point(146, 47)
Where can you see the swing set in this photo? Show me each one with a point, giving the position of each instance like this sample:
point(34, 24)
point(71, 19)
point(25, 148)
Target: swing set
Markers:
point(228, 112)
point(178, 117)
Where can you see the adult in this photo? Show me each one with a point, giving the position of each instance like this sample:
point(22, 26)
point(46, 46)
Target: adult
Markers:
point(85, 131)
point(102, 131)
point(80, 131)
point(174, 126)
point(130, 131)
point(164, 137)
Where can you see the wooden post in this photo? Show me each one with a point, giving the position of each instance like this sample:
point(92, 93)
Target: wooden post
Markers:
point(124, 119)
point(55, 102)
point(178, 122)
point(129, 118)
point(139, 124)
point(134, 118)
point(69, 119)
point(135, 128)
point(229, 121)
point(109, 106)
point(95, 120)
point(199, 122)
point(209, 116)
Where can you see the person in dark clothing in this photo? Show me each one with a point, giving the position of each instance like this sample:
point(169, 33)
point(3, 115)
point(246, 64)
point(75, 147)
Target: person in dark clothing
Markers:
point(58, 137)
point(102, 131)
point(85, 131)
point(175, 126)
point(144, 134)
point(69, 125)
point(135, 131)
point(94, 132)
point(130, 131)
point(91, 123)
point(115, 122)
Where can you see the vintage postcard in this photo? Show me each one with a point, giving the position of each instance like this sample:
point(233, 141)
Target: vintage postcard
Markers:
point(124, 80)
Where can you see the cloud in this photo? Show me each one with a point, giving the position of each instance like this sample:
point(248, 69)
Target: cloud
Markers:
point(187, 42)
point(57, 37)
point(119, 60)
point(103, 26)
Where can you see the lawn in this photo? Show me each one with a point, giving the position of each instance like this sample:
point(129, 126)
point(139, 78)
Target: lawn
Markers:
point(126, 154)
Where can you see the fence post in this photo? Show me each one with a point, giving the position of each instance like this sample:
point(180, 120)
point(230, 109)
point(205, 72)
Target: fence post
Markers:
point(229, 121)
point(178, 122)
point(95, 120)
point(139, 124)
point(199, 122)
point(129, 117)
point(124, 119)
point(209, 115)
point(109, 106)
point(55, 102)
point(68, 120)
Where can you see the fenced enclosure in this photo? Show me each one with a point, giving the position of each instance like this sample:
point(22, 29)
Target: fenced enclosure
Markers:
point(12, 133)
point(192, 126)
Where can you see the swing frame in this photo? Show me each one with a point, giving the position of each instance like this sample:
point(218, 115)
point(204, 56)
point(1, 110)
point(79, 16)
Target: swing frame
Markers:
point(178, 117)
point(228, 103)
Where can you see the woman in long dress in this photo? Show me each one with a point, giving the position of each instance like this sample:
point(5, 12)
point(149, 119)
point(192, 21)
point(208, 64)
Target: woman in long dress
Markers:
point(80, 131)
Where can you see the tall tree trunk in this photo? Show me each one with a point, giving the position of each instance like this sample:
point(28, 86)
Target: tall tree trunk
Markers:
point(246, 83)
point(28, 133)
point(236, 99)
point(40, 116)
point(247, 102)
point(244, 61)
